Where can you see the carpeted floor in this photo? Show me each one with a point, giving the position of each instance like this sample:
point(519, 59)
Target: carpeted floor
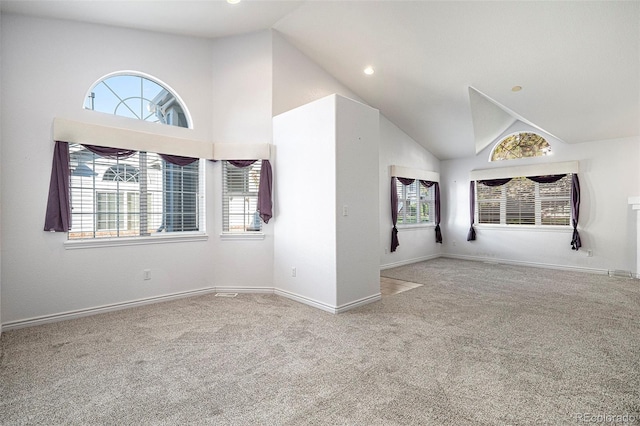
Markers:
point(476, 344)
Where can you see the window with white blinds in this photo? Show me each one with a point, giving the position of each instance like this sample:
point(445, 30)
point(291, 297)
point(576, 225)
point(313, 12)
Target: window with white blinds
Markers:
point(416, 204)
point(522, 201)
point(240, 198)
point(140, 195)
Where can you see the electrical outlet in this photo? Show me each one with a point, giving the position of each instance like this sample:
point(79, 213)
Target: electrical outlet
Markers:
point(146, 274)
point(293, 272)
point(589, 253)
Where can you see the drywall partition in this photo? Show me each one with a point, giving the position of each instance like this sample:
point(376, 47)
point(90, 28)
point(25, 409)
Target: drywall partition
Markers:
point(357, 222)
point(325, 253)
point(241, 114)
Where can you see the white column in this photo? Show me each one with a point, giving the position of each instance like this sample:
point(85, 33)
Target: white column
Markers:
point(635, 205)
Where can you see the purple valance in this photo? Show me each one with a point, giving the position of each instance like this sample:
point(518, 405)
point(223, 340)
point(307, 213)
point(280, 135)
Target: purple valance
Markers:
point(241, 163)
point(58, 215)
point(406, 181)
point(546, 179)
point(177, 159)
point(111, 153)
point(494, 182)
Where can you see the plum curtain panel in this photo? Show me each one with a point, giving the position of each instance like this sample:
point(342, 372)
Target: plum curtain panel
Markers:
point(58, 215)
point(575, 212)
point(394, 215)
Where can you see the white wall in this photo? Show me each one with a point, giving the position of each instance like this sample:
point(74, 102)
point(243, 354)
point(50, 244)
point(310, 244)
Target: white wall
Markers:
point(608, 175)
point(416, 243)
point(305, 184)
point(0, 181)
point(357, 224)
point(242, 97)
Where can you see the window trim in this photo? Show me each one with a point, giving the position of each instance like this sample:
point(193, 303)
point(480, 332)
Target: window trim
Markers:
point(156, 80)
point(421, 224)
point(188, 236)
point(541, 153)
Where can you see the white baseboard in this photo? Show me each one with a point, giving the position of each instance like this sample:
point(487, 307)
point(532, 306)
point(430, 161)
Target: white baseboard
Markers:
point(306, 300)
point(525, 263)
point(240, 289)
point(325, 306)
point(356, 303)
point(409, 261)
point(46, 319)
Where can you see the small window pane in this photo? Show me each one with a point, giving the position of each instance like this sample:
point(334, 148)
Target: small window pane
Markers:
point(240, 198)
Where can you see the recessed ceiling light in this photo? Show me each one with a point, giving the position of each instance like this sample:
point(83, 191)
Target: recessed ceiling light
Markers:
point(516, 88)
point(369, 70)
point(233, 1)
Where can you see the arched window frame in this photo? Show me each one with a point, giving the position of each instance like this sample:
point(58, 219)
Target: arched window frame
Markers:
point(149, 77)
point(541, 152)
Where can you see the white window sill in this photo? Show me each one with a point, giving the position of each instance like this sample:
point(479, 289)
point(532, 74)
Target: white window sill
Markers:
point(416, 226)
point(135, 241)
point(242, 236)
point(534, 228)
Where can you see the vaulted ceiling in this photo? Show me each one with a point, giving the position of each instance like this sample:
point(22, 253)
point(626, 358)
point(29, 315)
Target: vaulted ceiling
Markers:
point(578, 62)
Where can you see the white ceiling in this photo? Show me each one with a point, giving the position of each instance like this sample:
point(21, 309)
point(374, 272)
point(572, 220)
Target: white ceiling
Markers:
point(578, 62)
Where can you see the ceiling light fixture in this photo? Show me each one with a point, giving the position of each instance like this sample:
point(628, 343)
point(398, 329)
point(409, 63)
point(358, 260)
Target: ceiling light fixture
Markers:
point(233, 1)
point(369, 70)
point(516, 88)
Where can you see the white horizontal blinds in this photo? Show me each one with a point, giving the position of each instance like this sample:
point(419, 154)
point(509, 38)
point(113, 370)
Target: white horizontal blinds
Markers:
point(134, 196)
point(416, 204)
point(427, 204)
point(522, 201)
point(490, 203)
point(555, 202)
point(407, 203)
point(240, 198)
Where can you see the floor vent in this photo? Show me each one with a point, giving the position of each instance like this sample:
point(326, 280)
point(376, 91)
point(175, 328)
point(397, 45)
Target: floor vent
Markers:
point(620, 273)
point(226, 294)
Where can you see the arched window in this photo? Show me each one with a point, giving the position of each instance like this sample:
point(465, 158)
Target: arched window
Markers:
point(521, 145)
point(122, 173)
point(137, 96)
point(140, 193)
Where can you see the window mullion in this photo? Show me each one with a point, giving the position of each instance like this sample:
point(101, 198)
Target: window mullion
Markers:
point(538, 204)
point(503, 204)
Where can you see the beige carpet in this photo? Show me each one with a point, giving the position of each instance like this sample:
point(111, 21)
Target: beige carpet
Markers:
point(476, 344)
